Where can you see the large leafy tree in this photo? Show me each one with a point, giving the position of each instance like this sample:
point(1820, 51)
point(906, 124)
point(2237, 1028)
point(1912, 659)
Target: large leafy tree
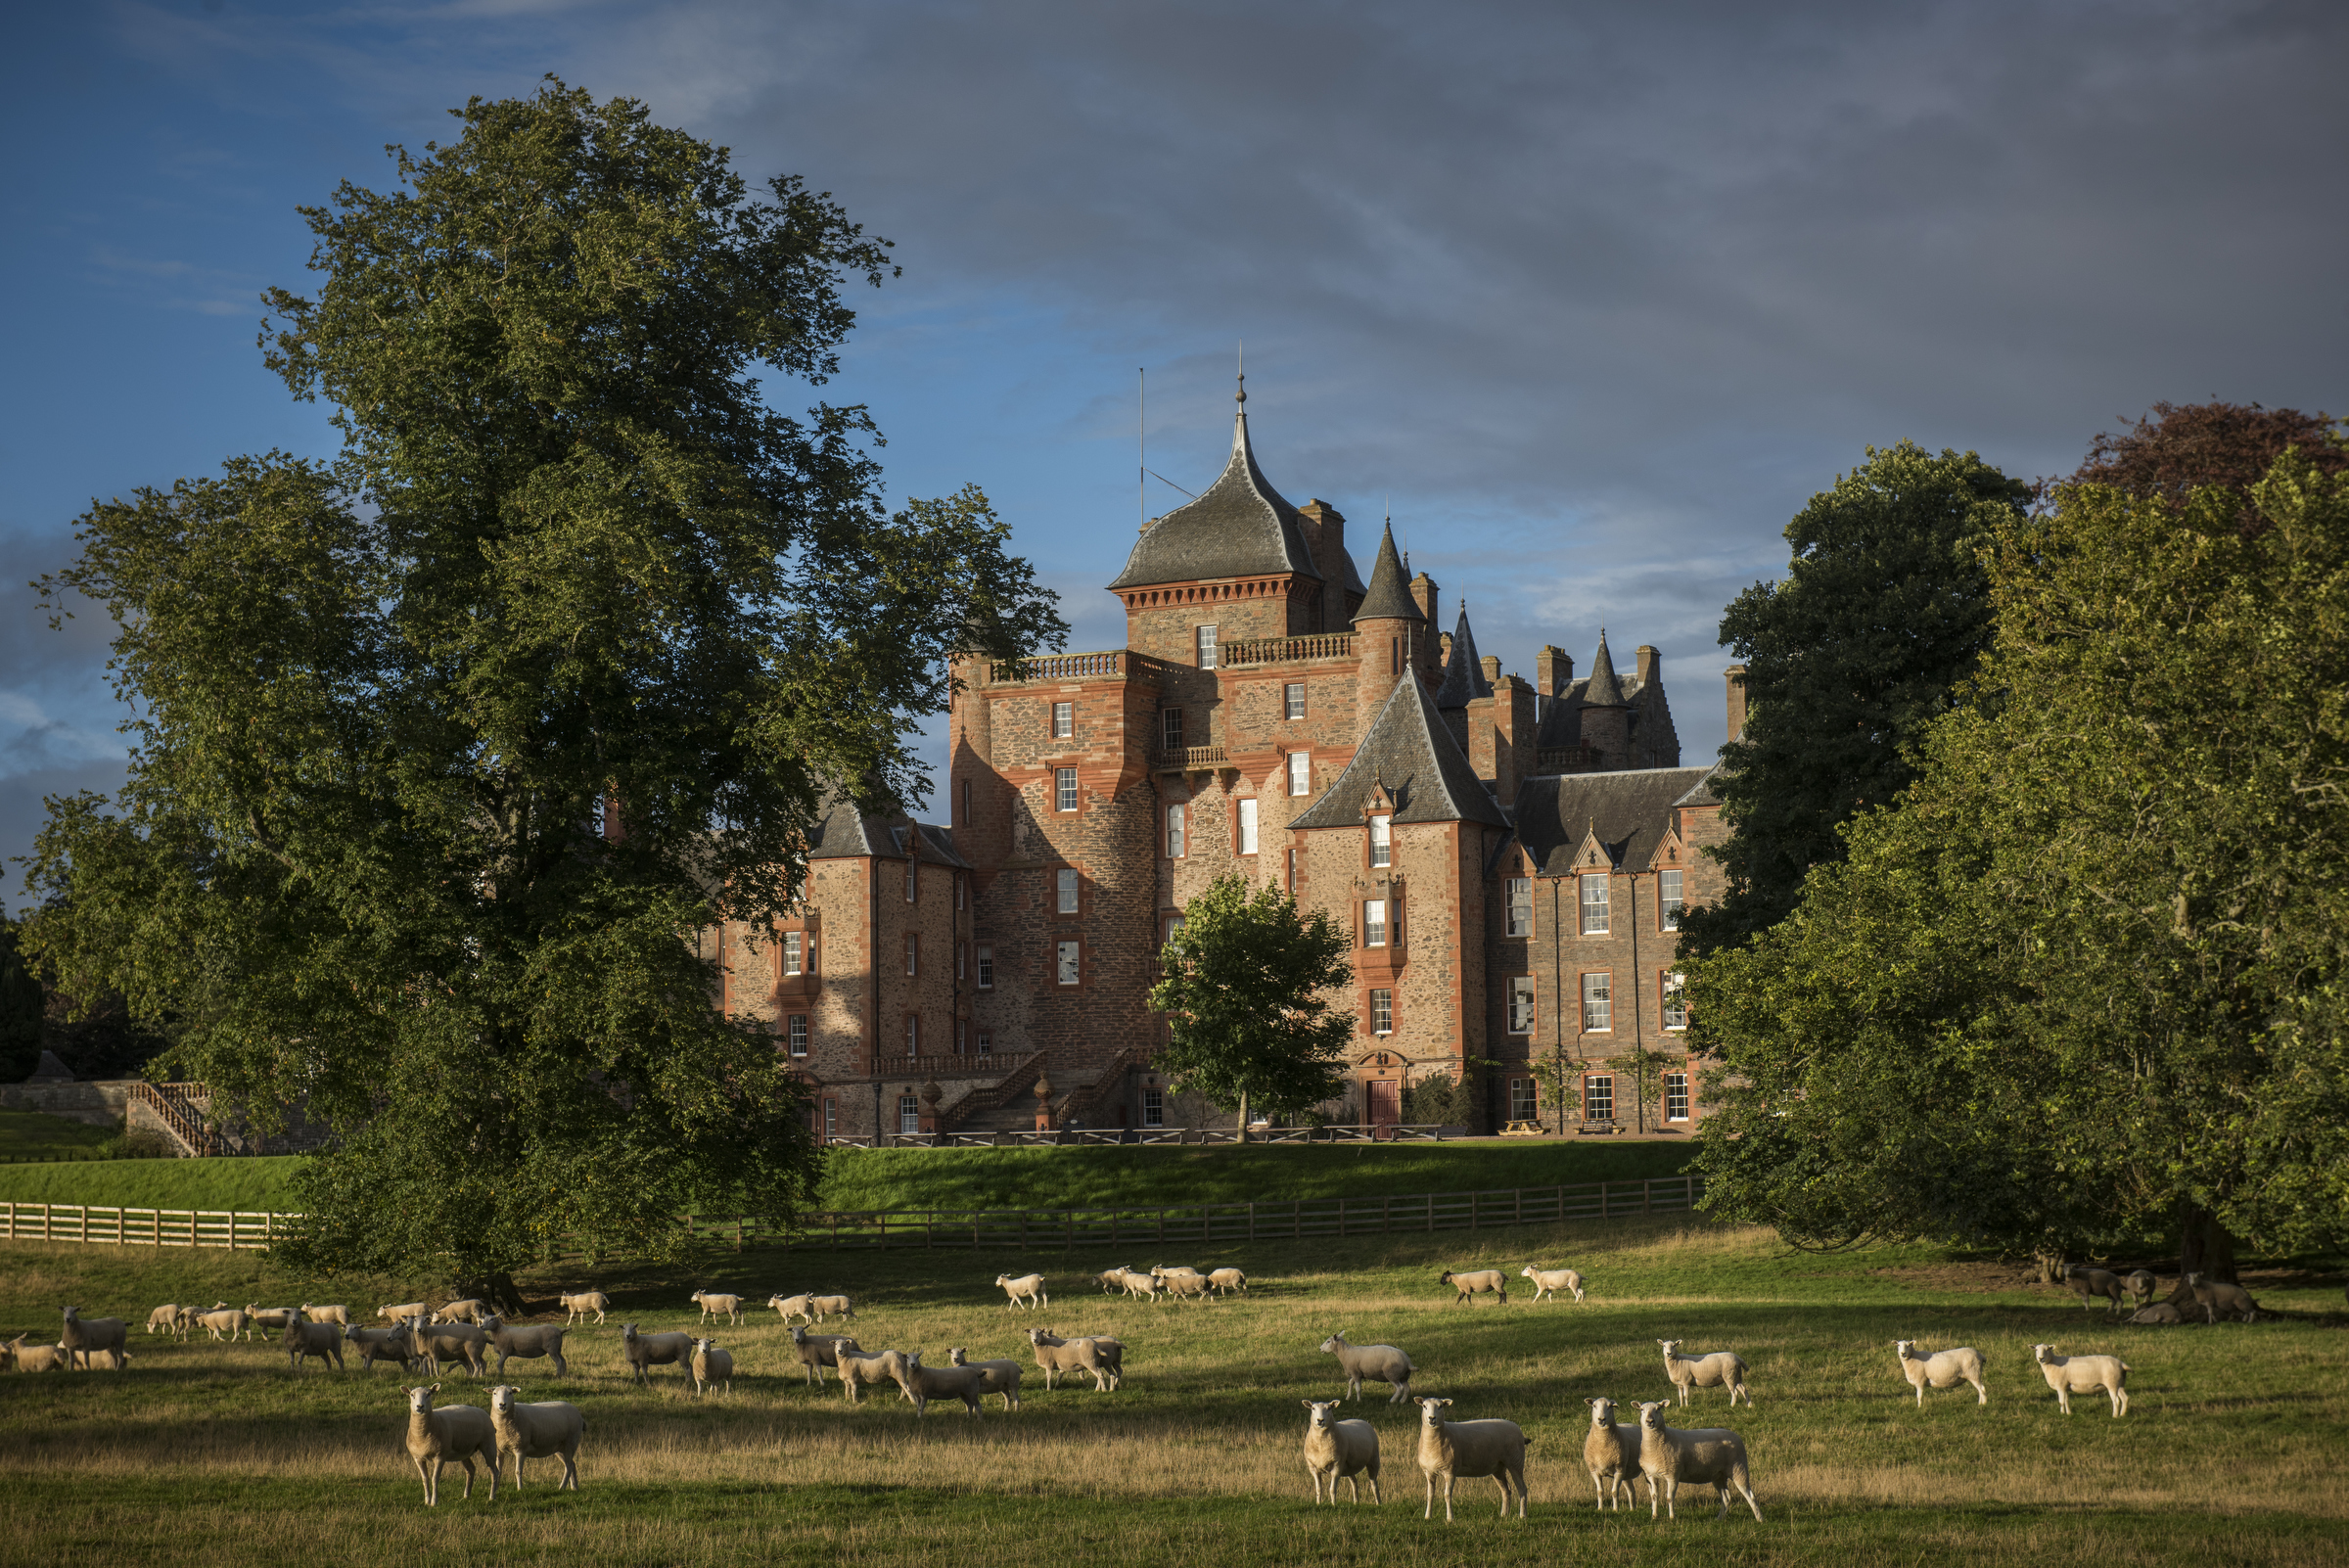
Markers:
point(1883, 610)
point(448, 748)
point(1246, 993)
point(21, 1004)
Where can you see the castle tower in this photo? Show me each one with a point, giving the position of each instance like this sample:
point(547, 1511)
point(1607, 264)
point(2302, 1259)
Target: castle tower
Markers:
point(1606, 716)
point(1388, 631)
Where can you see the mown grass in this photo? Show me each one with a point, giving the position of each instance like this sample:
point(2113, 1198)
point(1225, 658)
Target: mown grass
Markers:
point(216, 1454)
point(250, 1185)
point(39, 1136)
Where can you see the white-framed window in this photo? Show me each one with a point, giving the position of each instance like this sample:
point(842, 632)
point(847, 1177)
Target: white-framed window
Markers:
point(1066, 884)
point(1064, 720)
point(1207, 647)
point(1594, 904)
point(987, 1042)
point(1676, 1001)
point(794, 1033)
point(1374, 922)
point(1247, 824)
point(984, 959)
point(1068, 965)
point(913, 1033)
point(1521, 1005)
point(1598, 1008)
point(1676, 1096)
point(1382, 841)
point(1667, 899)
point(1292, 700)
point(966, 803)
point(795, 952)
point(1382, 1011)
point(1301, 772)
point(913, 953)
point(1521, 906)
point(1174, 834)
point(962, 961)
point(1598, 1097)
point(1524, 1100)
point(1170, 730)
point(909, 1114)
point(959, 892)
point(911, 867)
point(831, 1119)
point(961, 1035)
point(1154, 1107)
point(1175, 925)
point(1064, 789)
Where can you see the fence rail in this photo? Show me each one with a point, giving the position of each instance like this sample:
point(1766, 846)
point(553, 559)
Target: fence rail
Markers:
point(142, 1228)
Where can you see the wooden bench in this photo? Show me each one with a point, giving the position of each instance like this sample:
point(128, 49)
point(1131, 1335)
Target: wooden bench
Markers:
point(1524, 1130)
point(1593, 1129)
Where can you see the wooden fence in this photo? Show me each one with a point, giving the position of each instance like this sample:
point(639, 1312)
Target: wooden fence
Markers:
point(140, 1228)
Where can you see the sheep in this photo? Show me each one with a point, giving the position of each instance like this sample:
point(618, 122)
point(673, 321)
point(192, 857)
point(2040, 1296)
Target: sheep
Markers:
point(1943, 1369)
point(712, 1306)
point(1188, 1283)
point(2068, 1375)
point(170, 1317)
point(405, 1312)
point(454, 1432)
point(788, 1308)
point(1104, 1357)
point(1003, 1376)
point(712, 1366)
point(819, 1350)
point(1704, 1456)
point(552, 1429)
point(2161, 1311)
point(339, 1315)
point(1465, 1449)
point(1706, 1372)
point(1110, 1280)
point(922, 1384)
point(443, 1343)
point(2088, 1283)
point(1228, 1281)
point(1475, 1283)
point(20, 1356)
point(304, 1340)
point(1549, 1281)
point(226, 1322)
point(857, 1369)
point(831, 1307)
point(1611, 1453)
point(1382, 1364)
point(471, 1309)
point(89, 1336)
point(528, 1341)
point(2222, 1297)
point(1028, 1289)
point(272, 1318)
point(395, 1343)
point(1141, 1285)
point(1335, 1449)
point(2141, 1287)
point(644, 1351)
point(578, 1304)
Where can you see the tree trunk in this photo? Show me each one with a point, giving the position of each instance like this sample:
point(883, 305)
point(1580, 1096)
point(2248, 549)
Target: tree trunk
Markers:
point(1243, 1116)
point(2050, 1265)
point(2205, 1247)
point(498, 1290)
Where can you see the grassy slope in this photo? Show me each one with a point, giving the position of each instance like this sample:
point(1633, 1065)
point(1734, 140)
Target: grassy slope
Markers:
point(2229, 1453)
point(225, 1183)
point(38, 1135)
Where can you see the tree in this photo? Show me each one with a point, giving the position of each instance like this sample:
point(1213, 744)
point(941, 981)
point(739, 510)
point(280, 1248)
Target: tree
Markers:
point(447, 750)
point(21, 1004)
point(1245, 992)
point(2181, 448)
point(1884, 611)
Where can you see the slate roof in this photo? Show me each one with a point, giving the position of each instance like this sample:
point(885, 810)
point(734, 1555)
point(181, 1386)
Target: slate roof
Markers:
point(1464, 673)
point(1239, 525)
point(1630, 812)
point(1389, 597)
point(1603, 689)
point(847, 833)
point(1410, 750)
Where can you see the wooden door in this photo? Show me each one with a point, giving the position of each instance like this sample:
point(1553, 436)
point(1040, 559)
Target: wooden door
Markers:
point(1386, 1102)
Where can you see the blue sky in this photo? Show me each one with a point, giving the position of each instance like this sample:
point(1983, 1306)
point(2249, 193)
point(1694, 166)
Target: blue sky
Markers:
point(1597, 295)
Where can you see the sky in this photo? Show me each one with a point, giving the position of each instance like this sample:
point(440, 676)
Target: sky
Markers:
point(1591, 296)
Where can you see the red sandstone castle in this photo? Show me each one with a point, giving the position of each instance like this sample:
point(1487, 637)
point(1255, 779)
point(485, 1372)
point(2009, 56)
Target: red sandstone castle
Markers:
point(1511, 858)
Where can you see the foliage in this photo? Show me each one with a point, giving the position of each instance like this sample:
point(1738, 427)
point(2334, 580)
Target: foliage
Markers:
point(1245, 994)
point(22, 1003)
point(1884, 611)
point(1438, 1099)
point(446, 750)
point(2181, 448)
point(1638, 1084)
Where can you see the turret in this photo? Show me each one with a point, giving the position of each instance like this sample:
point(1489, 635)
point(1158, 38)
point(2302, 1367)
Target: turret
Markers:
point(1606, 716)
point(1388, 633)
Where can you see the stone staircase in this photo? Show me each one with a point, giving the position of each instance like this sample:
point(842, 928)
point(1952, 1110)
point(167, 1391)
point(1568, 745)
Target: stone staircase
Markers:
point(1007, 1105)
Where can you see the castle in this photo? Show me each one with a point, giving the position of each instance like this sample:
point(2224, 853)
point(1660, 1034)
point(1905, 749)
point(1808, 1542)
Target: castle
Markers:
point(1510, 858)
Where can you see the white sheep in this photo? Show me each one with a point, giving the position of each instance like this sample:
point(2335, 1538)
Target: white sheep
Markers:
point(549, 1430)
point(453, 1433)
point(1474, 1282)
point(443, 1343)
point(226, 1322)
point(857, 1369)
point(715, 1306)
point(170, 1317)
point(2088, 1283)
point(272, 1318)
point(404, 1312)
point(395, 1343)
point(1549, 1281)
point(824, 1306)
point(712, 1366)
point(1335, 1449)
point(1003, 1376)
point(1103, 1356)
point(19, 1357)
point(2068, 1375)
point(1110, 1280)
point(922, 1384)
point(304, 1341)
point(818, 1350)
point(1183, 1282)
point(644, 1351)
point(2141, 1287)
point(1706, 1456)
point(2161, 1313)
point(1942, 1370)
point(2219, 1297)
point(788, 1308)
point(1382, 1364)
point(1714, 1370)
point(1027, 1290)
point(1145, 1285)
point(1611, 1453)
point(1227, 1280)
point(577, 1304)
point(339, 1315)
point(1465, 1449)
point(527, 1341)
point(85, 1337)
point(471, 1309)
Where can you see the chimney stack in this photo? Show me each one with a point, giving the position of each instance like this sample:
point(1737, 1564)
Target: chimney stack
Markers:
point(1735, 675)
point(1553, 671)
point(1651, 665)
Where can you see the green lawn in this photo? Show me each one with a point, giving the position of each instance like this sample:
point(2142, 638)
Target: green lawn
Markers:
point(38, 1135)
point(218, 1183)
point(216, 1454)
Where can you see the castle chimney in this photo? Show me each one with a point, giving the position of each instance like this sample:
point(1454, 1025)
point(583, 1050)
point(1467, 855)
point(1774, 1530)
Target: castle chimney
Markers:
point(1735, 675)
point(1650, 665)
point(1553, 671)
point(1425, 595)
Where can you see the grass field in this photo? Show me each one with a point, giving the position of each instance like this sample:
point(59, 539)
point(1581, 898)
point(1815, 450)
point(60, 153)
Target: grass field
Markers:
point(38, 1135)
point(216, 1454)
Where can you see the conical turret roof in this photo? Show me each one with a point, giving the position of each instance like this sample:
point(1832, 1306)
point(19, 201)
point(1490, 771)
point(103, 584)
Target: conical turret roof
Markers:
point(1410, 751)
point(1464, 672)
point(1240, 525)
point(1390, 596)
point(1603, 689)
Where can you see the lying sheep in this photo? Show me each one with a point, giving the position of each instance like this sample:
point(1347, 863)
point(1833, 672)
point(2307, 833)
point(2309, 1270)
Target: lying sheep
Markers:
point(712, 1366)
point(550, 1430)
point(2221, 1297)
point(1382, 1364)
point(712, 1306)
point(1465, 1449)
point(824, 1306)
point(858, 1370)
point(1474, 1282)
point(578, 1304)
point(395, 1343)
point(2068, 1375)
point(1104, 1357)
point(1227, 1280)
point(2141, 1287)
point(1027, 1290)
point(818, 1350)
point(405, 1312)
point(1943, 1369)
point(2161, 1311)
point(1611, 1453)
point(471, 1309)
point(339, 1315)
point(644, 1351)
point(525, 1341)
point(1003, 1376)
point(19, 1357)
point(226, 1322)
point(1721, 1367)
point(443, 1343)
point(306, 1341)
point(85, 1337)
point(2089, 1283)
point(922, 1384)
point(1549, 1281)
point(1335, 1449)
point(1705, 1456)
point(454, 1433)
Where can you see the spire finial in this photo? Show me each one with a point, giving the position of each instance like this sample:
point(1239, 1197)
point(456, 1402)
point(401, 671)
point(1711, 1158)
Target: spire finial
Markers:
point(1241, 396)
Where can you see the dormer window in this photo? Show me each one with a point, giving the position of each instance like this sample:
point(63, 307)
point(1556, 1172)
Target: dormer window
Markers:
point(1669, 899)
point(1382, 841)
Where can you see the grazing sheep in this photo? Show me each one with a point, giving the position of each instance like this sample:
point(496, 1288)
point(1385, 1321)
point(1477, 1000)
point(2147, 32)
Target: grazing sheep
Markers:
point(304, 1341)
point(471, 1309)
point(2068, 1375)
point(1225, 1281)
point(1549, 1281)
point(922, 1384)
point(1706, 1372)
point(788, 1308)
point(2141, 1287)
point(857, 1369)
point(1465, 1449)
point(1003, 1376)
point(525, 1341)
point(1335, 1449)
point(272, 1318)
point(2221, 1297)
point(819, 1350)
point(578, 1304)
point(339, 1315)
point(1028, 1290)
point(226, 1322)
point(831, 1307)
point(1943, 1369)
point(85, 1337)
point(1382, 1364)
point(405, 1312)
point(712, 1366)
point(644, 1351)
point(727, 1306)
point(1611, 1453)
point(1104, 1357)
point(2161, 1311)
point(2089, 1283)
point(395, 1343)
point(549, 1430)
point(1476, 1282)
point(1705, 1456)
point(454, 1432)
point(20, 1356)
point(172, 1319)
point(443, 1343)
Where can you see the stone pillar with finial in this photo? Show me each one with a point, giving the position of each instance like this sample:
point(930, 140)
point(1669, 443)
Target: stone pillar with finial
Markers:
point(1043, 1103)
point(930, 1095)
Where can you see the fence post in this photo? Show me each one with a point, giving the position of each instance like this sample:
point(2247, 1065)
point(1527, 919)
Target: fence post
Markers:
point(1561, 1203)
point(1252, 1223)
point(1603, 1212)
point(1647, 1196)
point(1688, 1191)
